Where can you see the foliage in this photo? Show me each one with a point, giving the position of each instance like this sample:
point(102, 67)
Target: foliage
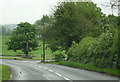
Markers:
point(59, 55)
point(72, 22)
point(39, 24)
point(37, 53)
point(18, 38)
point(101, 51)
point(6, 31)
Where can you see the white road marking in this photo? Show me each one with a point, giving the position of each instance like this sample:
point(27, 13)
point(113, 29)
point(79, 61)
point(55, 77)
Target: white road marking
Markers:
point(35, 65)
point(66, 78)
point(45, 68)
point(24, 61)
point(50, 70)
point(39, 66)
point(58, 74)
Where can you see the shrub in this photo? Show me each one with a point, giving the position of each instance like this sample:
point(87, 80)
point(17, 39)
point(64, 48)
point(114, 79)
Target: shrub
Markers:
point(59, 57)
point(101, 51)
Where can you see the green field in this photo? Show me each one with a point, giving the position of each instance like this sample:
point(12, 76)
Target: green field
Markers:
point(0, 45)
point(36, 53)
point(4, 72)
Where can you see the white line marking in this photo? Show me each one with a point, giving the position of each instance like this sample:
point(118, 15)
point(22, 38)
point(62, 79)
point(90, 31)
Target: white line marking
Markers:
point(39, 66)
point(58, 74)
point(66, 78)
point(50, 70)
point(45, 68)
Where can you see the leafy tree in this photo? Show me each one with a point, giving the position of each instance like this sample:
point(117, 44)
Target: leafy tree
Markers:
point(102, 51)
point(39, 24)
point(113, 21)
point(0, 31)
point(23, 38)
point(8, 32)
point(3, 31)
point(113, 4)
point(72, 22)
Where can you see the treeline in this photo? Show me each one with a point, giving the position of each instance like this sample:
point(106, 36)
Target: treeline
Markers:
point(85, 34)
point(79, 31)
point(5, 31)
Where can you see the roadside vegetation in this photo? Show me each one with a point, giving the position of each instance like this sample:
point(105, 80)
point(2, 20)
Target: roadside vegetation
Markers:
point(5, 72)
point(77, 34)
point(89, 37)
point(91, 67)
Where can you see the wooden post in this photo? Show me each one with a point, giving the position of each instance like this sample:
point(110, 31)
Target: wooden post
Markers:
point(26, 45)
point(43, 43)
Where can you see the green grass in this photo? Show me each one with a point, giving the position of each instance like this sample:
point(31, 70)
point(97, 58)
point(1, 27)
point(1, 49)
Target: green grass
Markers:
point(0, 45)
point(0, 72)
point(36, 53)
point(4, 72)
point(110, 71)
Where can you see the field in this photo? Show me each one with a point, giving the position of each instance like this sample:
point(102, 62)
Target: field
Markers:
point(0, 45)
point(36, 53)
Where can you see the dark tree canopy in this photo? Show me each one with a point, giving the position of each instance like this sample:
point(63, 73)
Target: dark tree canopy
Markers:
point(72, 22)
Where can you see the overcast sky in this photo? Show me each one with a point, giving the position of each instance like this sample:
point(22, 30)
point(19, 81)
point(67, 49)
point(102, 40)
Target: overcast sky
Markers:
point(16, 11)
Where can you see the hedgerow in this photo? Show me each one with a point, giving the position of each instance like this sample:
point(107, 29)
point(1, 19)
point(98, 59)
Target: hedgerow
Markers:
point(101, 51)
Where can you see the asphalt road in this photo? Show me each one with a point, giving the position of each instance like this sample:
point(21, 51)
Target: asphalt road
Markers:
point(31, 70)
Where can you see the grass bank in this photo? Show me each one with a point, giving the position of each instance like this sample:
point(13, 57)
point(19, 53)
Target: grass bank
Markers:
point(110, 71)
point(4, 72)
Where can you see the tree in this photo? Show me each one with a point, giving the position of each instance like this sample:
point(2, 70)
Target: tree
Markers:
point(73, 21)
point(23, 38)
point(113, 4)
point(3, 31)
point(8, 32)
point(39, 24)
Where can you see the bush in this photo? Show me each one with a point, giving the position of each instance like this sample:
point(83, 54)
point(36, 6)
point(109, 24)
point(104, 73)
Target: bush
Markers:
point(101, 52)
point(59, 57)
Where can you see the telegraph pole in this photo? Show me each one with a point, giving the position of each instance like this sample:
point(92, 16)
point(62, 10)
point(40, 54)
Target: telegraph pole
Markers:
point(43, 42)
point(26, 45)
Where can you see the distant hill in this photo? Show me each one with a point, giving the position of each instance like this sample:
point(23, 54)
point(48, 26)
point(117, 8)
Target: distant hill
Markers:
point(7, 30)
point(11, 26)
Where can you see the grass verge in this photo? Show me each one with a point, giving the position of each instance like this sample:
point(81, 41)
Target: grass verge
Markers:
point(110, 71)
point(4, 72)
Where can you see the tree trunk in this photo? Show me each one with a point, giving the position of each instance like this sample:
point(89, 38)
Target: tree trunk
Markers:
point(43, 50)
point(43, 43)
point(26, 53)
